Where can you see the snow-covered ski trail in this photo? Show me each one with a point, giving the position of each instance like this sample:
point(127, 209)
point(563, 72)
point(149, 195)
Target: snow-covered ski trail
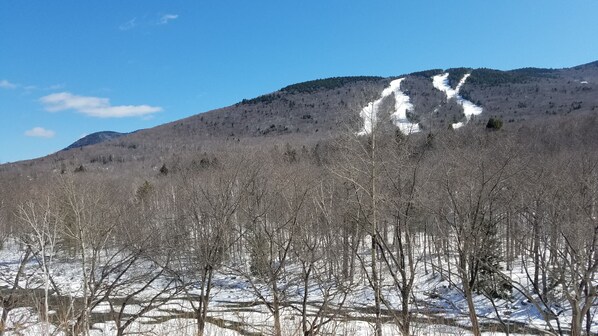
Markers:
point(369, 113)
point(470, 109)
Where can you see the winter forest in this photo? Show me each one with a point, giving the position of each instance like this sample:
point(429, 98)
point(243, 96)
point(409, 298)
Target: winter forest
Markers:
point(459, 232)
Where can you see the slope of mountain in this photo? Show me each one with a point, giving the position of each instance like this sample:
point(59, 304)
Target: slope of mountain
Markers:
point(306, 113)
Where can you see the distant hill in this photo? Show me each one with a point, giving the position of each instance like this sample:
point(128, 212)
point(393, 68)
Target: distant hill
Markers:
point(95, 138)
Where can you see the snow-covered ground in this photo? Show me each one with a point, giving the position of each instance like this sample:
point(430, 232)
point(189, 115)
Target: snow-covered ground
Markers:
point(470, 109)
point(438, 305)
point(369, 113)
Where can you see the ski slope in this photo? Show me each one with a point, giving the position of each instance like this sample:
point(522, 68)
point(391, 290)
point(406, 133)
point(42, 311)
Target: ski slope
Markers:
point(470, 109)
point(369, 113)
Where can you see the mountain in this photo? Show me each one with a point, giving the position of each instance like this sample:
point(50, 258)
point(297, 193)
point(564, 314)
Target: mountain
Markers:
point(305, 114)
point(95, 138)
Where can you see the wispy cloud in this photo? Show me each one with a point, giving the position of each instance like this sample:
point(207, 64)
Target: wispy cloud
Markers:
point(5, 84)
point(167, 17)
point(94, 106)
point(129, 24)
point(55, 87)
point(27, 88)
point(40, 132)
point(144, 21)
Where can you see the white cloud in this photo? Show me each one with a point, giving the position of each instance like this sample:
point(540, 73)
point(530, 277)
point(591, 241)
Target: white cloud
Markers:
point(94, 106)
point(167, 17)
point(129, 24)
point(40, 132)
point(4, 84)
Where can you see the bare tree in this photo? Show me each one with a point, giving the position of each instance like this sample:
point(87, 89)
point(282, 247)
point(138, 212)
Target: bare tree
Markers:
point(149, 282)
point(473, 183)
point(315, 248)
point(10, 297)
point(359, 162)
point(111, 253)
point(272, 210)
point(40, 237)
point(207, 230)
point(403, 207)
point(576, 225)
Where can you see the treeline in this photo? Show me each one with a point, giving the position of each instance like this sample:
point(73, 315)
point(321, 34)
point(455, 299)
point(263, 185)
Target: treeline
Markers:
point(490, 77)
point(456, 74)
point(465, 205)
point(328, 83)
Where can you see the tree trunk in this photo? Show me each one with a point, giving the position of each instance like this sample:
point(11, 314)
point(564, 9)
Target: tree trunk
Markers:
point(345, 255)
point(376, 287)
point(276, 310)
point(5, 312)
point(202, 312)
point(475, 327)
point(304, 326)
point(374, 255)
point(576, 321)
point(405, 317)
point(201, 324)
point(468, 292)
point(8, 303)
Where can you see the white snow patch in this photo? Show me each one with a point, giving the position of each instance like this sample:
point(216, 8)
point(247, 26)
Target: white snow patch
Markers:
point(458, 125)
point(369, 113)
point(441, 83)
point(402, 106)
point(583, 82)
point(470, 109)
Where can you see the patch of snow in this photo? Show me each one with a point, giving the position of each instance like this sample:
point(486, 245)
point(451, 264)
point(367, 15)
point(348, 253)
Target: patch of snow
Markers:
point(583, 82)
point(402, 106)
point(470, 109)
point(177, 326)
point(458, 125)
point(441, 83)
point(369, 113)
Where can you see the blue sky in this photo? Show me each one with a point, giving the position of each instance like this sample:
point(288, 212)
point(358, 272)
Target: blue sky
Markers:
point(71, 67)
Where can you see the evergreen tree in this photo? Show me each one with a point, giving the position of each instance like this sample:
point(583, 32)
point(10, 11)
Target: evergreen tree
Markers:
point(489, 282)
point(494, 123)
point(164, 170)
